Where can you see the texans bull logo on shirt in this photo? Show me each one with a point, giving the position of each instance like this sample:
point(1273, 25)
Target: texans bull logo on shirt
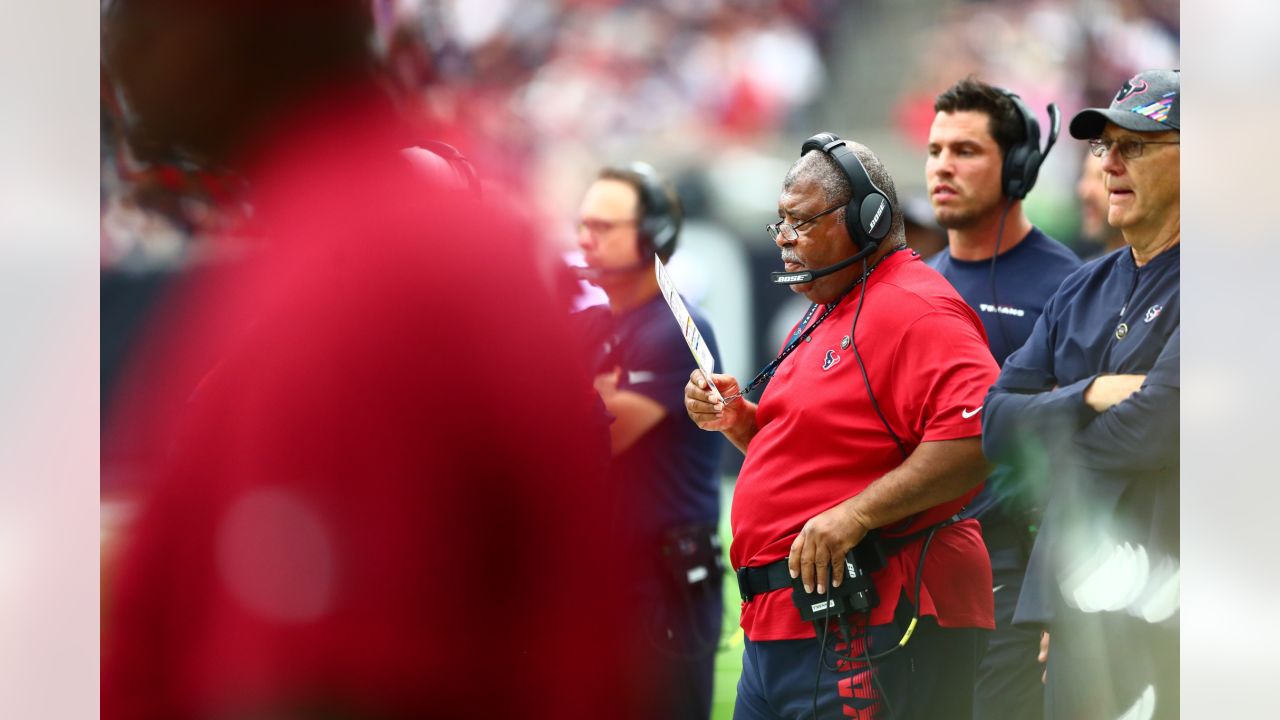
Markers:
point(830, 360)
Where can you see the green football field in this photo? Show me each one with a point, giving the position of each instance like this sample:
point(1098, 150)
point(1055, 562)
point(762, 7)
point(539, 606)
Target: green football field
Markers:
point(729, 654)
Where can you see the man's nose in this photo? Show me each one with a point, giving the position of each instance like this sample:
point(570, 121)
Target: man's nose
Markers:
point(1112, 163)
point(942, 165)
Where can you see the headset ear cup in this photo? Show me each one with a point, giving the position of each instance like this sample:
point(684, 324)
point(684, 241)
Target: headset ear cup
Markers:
point(876, 216)
point(1021, 166)
point(660, 226)
point(659, 235)
point(1022, 161)
point(1011, 174)
point(869, 215)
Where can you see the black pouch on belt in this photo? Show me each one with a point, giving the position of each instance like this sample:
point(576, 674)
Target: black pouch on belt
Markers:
point(691, 554)
point(857, 593)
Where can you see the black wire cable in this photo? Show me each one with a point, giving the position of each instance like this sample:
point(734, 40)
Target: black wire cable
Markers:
point(875, 677)
point(822, 656)
point(767, 371)
point(866, 635)
point(853, 343)
point(867, 658)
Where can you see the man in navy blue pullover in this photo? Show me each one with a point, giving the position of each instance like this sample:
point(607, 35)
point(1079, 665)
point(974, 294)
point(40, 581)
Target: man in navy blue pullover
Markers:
point(664, 469)
point(983, 156)
point(1092, 400)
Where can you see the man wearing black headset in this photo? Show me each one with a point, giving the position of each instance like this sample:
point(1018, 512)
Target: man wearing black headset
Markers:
point(665, 472)
point(984, 156)
point(1091, 402)
point(870, 423)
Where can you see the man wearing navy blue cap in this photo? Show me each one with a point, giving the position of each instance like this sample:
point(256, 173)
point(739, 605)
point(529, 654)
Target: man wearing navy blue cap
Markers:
point(1091, 400)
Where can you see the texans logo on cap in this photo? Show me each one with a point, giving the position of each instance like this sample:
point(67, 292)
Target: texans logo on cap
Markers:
point(1133, 85)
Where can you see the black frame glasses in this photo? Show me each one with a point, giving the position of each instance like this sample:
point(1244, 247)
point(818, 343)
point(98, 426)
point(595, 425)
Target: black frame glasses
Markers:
point(792, 232)
point(1128, 147)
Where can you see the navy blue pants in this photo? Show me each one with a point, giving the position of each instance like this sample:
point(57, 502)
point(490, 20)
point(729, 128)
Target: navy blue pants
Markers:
point(1008, 678)
point(932, 677)
point(672, 645)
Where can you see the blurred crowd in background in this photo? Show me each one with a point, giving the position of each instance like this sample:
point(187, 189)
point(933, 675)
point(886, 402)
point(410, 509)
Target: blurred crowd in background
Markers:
point(717, 94)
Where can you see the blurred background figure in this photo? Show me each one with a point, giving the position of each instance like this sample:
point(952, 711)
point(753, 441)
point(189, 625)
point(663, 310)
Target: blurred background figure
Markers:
point(665, 470)
point(1097, 236)
point(924, 234)
point(350, 501)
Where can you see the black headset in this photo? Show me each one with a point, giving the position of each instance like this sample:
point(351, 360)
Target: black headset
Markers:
point(659, 223)
point(869, 214)
point(1022, 160)
point(461, 175)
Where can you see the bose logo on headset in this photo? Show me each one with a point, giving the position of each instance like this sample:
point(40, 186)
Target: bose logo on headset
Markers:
point(876, 219)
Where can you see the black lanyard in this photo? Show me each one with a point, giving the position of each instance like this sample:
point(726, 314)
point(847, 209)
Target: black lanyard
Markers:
point(801, 332)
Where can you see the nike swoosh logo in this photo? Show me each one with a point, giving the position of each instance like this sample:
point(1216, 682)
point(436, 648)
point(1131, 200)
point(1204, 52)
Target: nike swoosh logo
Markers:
point(996, 589)
point(970, 413)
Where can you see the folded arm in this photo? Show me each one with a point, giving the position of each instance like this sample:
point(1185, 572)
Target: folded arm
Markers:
point(1141, 431)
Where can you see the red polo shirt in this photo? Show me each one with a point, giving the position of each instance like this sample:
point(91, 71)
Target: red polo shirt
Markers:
point(820, 443)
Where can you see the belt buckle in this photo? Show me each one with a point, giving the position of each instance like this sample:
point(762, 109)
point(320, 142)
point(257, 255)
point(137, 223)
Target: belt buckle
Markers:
point(743, 590)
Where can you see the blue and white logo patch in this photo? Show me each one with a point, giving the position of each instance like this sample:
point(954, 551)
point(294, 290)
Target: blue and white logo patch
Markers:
point(830, 360)
point(1153, 312)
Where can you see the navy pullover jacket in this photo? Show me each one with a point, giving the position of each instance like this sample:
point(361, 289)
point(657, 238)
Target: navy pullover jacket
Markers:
point(1112, 476)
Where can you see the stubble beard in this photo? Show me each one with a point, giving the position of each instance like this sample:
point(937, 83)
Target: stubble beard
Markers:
point(955, 219)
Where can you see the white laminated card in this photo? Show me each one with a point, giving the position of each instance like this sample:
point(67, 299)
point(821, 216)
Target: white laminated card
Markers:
point(692, 336)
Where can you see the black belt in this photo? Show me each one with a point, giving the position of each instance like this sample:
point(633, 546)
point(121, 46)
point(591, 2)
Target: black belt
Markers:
point(759, 580)
point(762, 579)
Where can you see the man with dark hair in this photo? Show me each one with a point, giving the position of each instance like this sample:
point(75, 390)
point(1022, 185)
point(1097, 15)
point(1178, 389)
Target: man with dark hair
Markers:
point(665, 471)
point(1091, 403)
point(867, 431)
point(1006, 269)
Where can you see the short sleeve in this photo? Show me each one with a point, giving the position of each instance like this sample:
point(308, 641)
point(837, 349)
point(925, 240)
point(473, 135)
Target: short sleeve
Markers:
point(943, 369)
point(657, 363)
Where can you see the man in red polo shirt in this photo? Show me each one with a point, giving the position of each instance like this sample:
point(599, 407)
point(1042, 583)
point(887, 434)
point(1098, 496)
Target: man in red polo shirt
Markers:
point(871, 422)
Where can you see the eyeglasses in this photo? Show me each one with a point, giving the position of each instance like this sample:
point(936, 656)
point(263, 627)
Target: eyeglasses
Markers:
point(1129, 148)
point(601, 227)
point(791, 232)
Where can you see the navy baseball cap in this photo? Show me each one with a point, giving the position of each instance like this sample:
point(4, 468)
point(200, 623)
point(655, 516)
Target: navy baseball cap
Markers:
point(1148, 102)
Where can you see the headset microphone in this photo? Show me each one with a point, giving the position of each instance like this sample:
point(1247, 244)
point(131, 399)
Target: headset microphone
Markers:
point(804, 276)
point(591, 274)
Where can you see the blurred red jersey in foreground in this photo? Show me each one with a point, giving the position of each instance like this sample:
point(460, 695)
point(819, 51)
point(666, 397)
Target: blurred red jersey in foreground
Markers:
point(372, 482)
